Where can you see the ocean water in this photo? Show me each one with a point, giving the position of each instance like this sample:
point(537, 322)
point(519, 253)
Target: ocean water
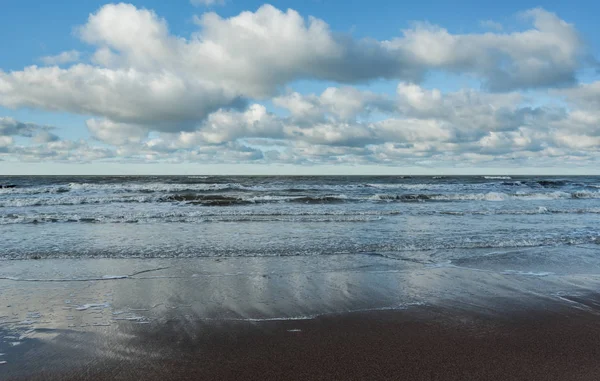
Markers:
point(486, 222)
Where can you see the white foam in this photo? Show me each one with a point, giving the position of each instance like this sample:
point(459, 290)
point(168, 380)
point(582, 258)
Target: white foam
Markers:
point(131, 318)
point(497, 177)
point(88, 306)
point(500, 196)
point(527, 273)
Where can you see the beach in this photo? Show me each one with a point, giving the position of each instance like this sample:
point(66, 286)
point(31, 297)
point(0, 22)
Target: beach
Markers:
point(193, 319)
point(199, 277)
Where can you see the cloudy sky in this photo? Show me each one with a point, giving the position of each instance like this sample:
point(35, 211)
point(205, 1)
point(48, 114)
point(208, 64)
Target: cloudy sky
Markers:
point(317, 86)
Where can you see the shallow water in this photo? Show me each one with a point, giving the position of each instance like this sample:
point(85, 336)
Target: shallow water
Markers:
point(422, 218)
point(86, 263)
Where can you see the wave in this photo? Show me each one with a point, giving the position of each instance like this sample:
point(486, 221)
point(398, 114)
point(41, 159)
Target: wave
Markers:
point(161, 187)
point(394, 250)
point(194, 199)
point(155, 187)
point(551, 183)
point(283, 186)
point(216, 199)
point(52, 189)
point(402, 197)
point(255, 215)
point(489, 196)
point(497, 177)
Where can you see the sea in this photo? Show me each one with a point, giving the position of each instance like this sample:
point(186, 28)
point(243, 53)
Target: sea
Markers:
point(482, 221)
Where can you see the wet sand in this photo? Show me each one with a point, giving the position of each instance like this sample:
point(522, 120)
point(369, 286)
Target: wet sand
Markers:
point(428, 344)
point(197, 319)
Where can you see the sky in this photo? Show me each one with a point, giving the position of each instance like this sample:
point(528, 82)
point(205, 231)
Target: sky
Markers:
point(299, 87)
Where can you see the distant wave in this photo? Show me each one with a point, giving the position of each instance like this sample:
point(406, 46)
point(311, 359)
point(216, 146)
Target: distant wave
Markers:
point(551, 183)
point(99, 189)
point(194, 215)
point(489, 196)
point(201, 199)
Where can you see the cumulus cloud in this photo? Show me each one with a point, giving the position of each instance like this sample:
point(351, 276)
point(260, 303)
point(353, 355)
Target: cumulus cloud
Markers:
point(491, 24)
point(13, 127)
point(45, 137)
point(585, 96)
point(549, 54)
point(161, 100)
point(145, 75)
point(207, 2)
point(5, 141)
point(345, 103)
point(116, 134)
point(156, 96)
point(62, 58)
point(61, 151)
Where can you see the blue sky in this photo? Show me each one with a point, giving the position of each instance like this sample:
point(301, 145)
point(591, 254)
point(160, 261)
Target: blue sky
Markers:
point(299, 86)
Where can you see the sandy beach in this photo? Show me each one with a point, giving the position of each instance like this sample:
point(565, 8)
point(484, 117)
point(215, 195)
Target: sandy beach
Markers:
point(281, 318)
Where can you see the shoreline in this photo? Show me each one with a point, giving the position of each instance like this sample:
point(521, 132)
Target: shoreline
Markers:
point(293, 318)
point(421, 343)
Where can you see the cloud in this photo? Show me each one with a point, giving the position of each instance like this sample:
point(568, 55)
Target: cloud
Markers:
point(116, 134)
point(62, 58)
point(345, 103)
point(144, 75)
point(161, 100)
point(549, 54)
point(13, 127)
point(585, 95)
point(45, 137)
point(151, 96)
point(422, 126)
point(207, 2)
point(5, 141)
point(492, 25)
point(61, 151)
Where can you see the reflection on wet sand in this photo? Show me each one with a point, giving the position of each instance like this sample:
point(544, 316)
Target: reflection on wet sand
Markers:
point(61, 315)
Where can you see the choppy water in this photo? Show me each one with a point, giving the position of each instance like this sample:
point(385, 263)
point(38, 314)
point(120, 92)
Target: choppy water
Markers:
point(428, 219)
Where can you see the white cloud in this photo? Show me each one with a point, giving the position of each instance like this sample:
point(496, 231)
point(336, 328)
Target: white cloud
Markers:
point(207, 2)
point(344, 103)
point(45, 137)
point(157, 96)
point(492, 25)
point(61, 151)
point(62, 58)
point(549, 54)
point(117, 134)
point(145, 75)
point(5, 141)
point(161, 100)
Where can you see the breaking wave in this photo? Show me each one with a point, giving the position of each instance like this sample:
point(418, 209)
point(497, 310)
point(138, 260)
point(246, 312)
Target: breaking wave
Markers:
point(217, 199)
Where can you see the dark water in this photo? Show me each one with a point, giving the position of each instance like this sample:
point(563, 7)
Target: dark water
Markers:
point(430, 220)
